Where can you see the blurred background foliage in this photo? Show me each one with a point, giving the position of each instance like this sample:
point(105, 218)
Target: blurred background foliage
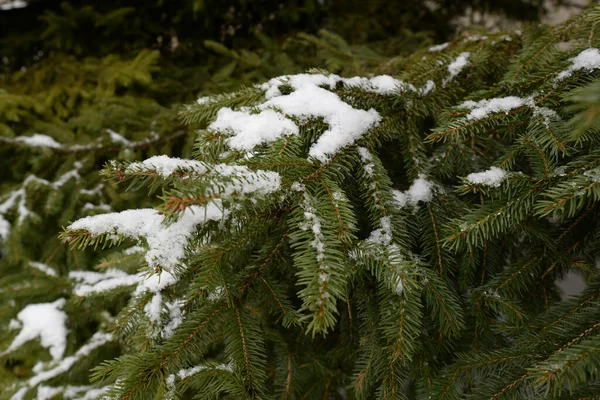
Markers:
point(62, 60)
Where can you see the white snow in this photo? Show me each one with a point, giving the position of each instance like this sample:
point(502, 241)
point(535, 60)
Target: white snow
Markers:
point(313, 224)
point(154, 307)
point(381, 84)
point(96, 207)
point(475, 38)
point(399, 286)
point(165, 166)
point(367, 160)
point(216, 294)
point(14, 324)
point(547, 114)
point(71, 392)
point(67, 176)
point(12, 4)
point(175, 318)
point(346, 124)
point(456, 66)
point(38, 140)
point(492, 177)
point(297, 81)
point(204, 100)
point(382, 235)
point(483, 108)
point(438, 47)
point(97, 191)
point(116, 138)
point(269, 121)
point(238, 179)
point(298, 187)
point(186, 373)
point(45, 321)
point(166, 247)
point(89, 282)
point(166, 243)
point(44, 268)
point(250, 130)
point(427, 88)
point(421, 190)
point(17, 198)
point(43, 375)
point(588, 60)
point(4, 228)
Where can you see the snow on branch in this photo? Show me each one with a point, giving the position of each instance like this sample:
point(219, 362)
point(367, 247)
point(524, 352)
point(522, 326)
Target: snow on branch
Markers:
point(45, 321)
point(492, 177)
point(166, 242)
point(38, 140)
point(224, 179)
point(483, 108)
point(311, 98)
point(41, 141)
point(42, 374)
point(72, 392)
point(421, 190)
point(89, 282)
point(346, 124)
point(187, 373)
point(12, 4)
point(249, 130)
point(438, 47)
point(456, 66)
point(46, 269)
point(588, 60)
point(18, 198)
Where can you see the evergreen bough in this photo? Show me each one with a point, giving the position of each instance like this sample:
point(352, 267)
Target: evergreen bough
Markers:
point(382, 238)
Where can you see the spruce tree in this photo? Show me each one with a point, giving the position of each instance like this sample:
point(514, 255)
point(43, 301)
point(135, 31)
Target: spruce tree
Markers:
point(328, 237)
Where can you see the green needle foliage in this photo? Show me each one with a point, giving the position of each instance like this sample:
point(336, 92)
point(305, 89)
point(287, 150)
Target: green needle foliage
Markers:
point(323, 237)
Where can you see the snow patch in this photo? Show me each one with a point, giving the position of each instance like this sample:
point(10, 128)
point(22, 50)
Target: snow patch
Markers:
point(116, 138)
point(10, 5)
point(438, 47)
point(43, 375)
point(239, 179)
point(71, 392)
point(166, 242)
point(382, 235)
point(492, 177)
point(269, 121)
point(45, 321)
point(38, 140)
point(421, 190)
point(456, 66)
point(166, 166)
point(175, 318)
point(588, 60)
point(346, 124)
point(96, 207)
point(250, 130)
point(483, 108)
point(44, 268)
point(367, 160)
